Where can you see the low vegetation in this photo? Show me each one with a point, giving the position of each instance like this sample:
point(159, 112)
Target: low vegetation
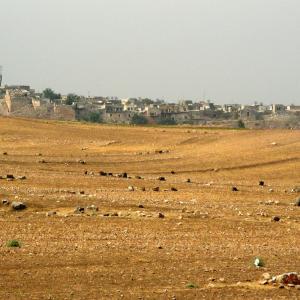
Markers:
point(139, 120)
point(167, 121)
point(13, 244)
point(93, 117)
point(192, 286)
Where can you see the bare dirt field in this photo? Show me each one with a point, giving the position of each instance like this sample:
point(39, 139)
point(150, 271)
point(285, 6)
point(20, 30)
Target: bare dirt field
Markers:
point(202, 247)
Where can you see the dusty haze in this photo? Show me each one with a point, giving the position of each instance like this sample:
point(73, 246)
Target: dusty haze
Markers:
point(227, 51)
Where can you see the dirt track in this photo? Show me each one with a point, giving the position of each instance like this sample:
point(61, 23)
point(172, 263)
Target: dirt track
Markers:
point(209, 232)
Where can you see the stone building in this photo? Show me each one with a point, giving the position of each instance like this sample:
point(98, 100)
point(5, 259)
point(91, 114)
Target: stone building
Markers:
point(122, 117)
point(17, 101)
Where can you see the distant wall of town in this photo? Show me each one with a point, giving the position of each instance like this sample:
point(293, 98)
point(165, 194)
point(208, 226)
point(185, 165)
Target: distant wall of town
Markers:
point(23, 101)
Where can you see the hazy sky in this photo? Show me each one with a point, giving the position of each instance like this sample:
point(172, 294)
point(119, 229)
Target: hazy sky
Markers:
point(226, 50)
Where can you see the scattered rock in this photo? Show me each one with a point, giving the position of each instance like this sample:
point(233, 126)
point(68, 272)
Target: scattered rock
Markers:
point(263, 214)
point(71, 192)
point(143, 189)
point(79, 210)
point(161, 178)
point(115, 214)
point(18, 205)
point(172, 172)
point(5, 153)
point(51, 213)
point(234, 189)
point(266, 276)
point(138, 177)
point(92, 208)
point(159, 151)
point(295, 189)
point(258, 262)
point(5, 202)
point(297, 202)
point(10, 176)
point(202, 215)
point(276, 219)
point(261, 183)
point(131, 188)
point(287, 278)
point(85, 172)
point(141, 206)
point(188, 180)
point(42, 161)
point(173, 189)
point(161, 215)
point(101, 173)
point(271, 202)
point(21, 177)
point(83, 162)
point(155, 189)
point(124, 175)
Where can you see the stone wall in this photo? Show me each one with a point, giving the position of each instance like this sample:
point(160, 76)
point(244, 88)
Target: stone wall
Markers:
point(3, 108)
point(120, 117)
point(16, 103)
point(63, 112)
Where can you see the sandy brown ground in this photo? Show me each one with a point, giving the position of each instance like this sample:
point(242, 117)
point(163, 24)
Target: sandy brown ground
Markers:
point(208, 230)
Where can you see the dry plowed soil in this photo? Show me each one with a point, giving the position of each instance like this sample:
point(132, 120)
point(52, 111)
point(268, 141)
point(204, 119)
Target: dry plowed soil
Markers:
point(189, 240)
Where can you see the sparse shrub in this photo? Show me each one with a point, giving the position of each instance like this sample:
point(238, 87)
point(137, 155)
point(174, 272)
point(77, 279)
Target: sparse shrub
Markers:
point(14, 244)
point(191, 286)
point(258, 262)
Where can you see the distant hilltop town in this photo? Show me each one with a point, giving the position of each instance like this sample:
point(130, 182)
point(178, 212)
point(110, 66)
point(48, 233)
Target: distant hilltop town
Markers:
point(23, 101)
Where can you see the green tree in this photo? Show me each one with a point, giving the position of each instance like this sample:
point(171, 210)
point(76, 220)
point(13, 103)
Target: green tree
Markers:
point(71, 98)
point(241, 124)
point(50, 94)
point(147, 101)
point(94, 117)
point(139, 119)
